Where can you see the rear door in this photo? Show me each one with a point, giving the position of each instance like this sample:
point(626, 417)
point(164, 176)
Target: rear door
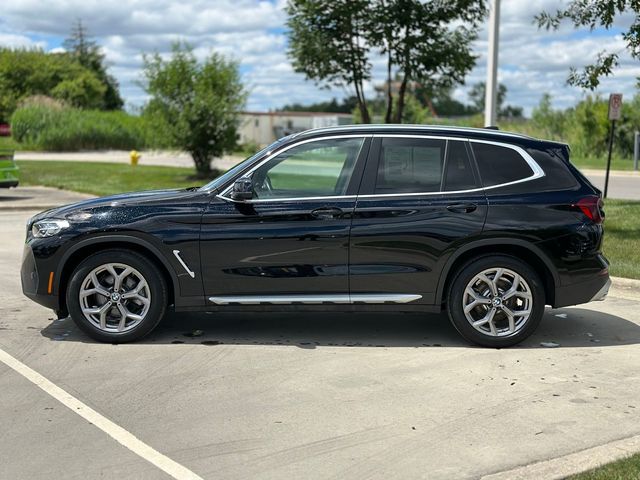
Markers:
point(419, 200)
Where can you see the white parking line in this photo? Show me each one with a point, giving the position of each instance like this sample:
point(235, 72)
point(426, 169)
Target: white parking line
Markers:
point(116, 432)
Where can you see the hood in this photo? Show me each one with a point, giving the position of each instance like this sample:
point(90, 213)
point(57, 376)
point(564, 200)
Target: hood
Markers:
point(120, 200)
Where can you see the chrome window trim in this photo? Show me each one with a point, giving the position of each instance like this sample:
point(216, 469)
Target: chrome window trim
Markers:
point(418, 128)
point(370, 298)
point(537, 171)
point(289, 199)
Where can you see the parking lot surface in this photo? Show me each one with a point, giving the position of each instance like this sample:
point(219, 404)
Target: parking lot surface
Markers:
point(311, 396)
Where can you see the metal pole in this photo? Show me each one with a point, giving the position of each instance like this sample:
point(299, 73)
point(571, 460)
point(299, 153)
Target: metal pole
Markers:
point(606, 178)
point(636, 150)
point(491, 93)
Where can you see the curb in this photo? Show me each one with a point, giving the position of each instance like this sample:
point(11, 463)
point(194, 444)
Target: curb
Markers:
point(626, 282)
point(617, 173)
point(578, 462)
point(26, 208)
point(626, 288)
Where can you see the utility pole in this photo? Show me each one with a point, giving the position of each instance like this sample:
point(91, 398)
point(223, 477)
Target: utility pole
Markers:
point(491, 93)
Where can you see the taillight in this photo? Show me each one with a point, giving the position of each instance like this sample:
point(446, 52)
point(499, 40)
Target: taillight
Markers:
point(592, 206)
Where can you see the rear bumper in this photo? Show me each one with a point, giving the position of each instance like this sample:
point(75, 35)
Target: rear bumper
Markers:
point(602, 293)
point(589, 291)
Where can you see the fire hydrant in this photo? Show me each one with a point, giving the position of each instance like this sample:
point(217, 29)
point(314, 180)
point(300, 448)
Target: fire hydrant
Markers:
point(134, 156)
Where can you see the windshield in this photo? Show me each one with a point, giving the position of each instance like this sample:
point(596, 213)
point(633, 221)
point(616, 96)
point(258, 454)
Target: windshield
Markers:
point(222, 179)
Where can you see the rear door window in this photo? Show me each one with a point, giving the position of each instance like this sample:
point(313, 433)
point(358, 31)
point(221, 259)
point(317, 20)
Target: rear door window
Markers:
point(410, 165)
point(500, 164)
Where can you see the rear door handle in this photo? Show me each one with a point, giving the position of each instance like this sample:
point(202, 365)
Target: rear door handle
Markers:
point(462, 207)
point(327, 213)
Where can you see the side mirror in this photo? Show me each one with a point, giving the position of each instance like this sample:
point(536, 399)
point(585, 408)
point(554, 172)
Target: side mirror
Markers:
point(242, 189)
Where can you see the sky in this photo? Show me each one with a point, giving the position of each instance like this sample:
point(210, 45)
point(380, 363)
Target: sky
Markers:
point(253, 32)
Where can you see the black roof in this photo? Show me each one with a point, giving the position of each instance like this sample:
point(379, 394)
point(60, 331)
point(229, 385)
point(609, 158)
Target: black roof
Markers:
point(465, 132)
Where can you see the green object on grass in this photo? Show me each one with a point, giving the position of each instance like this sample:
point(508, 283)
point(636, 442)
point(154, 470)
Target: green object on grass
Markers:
point(8, 170)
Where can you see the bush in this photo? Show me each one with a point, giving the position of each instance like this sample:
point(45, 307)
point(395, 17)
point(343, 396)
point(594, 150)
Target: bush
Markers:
point(50, 125)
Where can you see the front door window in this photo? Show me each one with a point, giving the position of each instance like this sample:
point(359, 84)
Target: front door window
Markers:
point(321, 168)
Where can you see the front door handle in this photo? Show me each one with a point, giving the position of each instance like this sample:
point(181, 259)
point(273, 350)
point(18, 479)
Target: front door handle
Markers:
point(326, 213)
point(462, 207)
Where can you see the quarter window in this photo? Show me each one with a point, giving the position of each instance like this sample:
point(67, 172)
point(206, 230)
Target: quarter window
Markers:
point(315, 169)
point(499, 164)
point(458, 172)
point(410, 165)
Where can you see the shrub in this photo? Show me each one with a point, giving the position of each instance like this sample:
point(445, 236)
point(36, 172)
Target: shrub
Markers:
point(50, 125)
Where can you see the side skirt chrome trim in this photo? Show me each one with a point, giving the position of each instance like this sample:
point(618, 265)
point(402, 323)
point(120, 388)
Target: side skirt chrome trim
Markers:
point(369, 298)
point(184, 265)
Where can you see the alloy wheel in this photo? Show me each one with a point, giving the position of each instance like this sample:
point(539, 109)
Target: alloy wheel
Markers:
point(497, 302)
point(115, 297)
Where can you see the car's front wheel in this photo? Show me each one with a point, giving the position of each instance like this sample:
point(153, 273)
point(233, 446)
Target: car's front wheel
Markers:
point(116, 296)
point(496, 301)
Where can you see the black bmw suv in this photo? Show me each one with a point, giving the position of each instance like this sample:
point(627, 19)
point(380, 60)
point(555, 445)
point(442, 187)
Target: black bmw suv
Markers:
point(487, 225)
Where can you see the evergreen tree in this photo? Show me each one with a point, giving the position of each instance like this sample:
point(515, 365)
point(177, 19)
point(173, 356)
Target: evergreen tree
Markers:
point(88, 53)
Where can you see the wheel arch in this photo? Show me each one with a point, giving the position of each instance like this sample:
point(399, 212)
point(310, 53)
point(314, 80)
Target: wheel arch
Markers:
point(520, 249)
point(72, 258)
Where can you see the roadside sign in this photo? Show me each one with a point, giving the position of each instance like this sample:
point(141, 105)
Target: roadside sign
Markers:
point(615, 112)
point(615, 106)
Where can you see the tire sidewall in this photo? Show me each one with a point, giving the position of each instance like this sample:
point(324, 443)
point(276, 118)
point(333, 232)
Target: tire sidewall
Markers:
point(464, 276)
point(154, 280)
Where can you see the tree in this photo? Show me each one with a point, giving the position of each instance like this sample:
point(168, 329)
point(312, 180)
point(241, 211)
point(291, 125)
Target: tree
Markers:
point(331, 42)
point(24, 73)
point(327, 43)
point(345, 106)
point(422, 47)
point(545, 117)
point(477, 97)
point(88, 54)
point(594, 14)
point(443, 103)
point(200, 101)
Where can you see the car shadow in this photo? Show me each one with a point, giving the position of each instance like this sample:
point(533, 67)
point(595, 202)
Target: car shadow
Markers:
point(574, 327)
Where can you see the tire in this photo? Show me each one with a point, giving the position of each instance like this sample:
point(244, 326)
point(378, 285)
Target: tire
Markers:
point(141, 297)
point(471, 288)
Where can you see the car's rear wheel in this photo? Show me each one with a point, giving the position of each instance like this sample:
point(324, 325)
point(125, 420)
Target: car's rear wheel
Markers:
point(116, 296)
point(496, 301)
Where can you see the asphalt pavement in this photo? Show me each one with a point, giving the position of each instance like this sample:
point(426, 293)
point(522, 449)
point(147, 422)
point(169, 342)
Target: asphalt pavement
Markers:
point(622, 185)
point(308, 396)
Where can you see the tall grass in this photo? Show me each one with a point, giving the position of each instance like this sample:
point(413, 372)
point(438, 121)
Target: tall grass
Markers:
point(60, 128)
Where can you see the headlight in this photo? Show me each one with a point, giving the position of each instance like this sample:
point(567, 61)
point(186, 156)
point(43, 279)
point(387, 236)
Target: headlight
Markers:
point(48, 227)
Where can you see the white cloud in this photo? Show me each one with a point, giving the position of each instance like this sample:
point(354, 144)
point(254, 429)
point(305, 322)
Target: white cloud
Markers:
point(532, 61)
point(19, 41)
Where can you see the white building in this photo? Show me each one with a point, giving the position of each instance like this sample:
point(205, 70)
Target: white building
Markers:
point(264, 128)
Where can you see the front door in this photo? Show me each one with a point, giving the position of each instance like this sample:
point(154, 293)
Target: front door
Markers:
point(420, 199)
point(290, 243)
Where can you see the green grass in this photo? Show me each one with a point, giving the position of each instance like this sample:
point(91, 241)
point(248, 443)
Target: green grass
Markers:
point(105, 178)
point(625, 469)
point(622, 237)
point(617, 163)
point(8, 143)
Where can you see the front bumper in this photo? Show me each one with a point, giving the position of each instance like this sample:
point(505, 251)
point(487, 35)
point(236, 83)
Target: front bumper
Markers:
point(33, 281)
